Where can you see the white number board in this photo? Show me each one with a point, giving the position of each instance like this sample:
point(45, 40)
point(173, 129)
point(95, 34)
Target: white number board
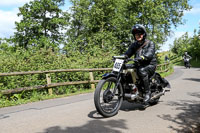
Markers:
point(117, 65)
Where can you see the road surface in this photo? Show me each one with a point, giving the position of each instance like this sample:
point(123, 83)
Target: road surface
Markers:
point(177, 111)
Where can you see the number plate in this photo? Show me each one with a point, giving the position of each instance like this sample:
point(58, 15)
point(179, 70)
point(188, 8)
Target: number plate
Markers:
point(118, 64)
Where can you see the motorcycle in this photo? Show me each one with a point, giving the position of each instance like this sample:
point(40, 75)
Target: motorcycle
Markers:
point(123, 83)
point(187, 63)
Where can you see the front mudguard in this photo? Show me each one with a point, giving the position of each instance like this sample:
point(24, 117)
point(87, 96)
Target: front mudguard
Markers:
point(107, 75)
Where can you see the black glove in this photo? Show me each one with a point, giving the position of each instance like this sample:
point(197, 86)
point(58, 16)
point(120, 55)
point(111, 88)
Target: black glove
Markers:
point(138, 59)
point(126, 56)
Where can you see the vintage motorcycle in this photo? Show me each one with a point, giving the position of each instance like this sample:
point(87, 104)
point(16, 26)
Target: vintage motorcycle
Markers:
point(123, 83)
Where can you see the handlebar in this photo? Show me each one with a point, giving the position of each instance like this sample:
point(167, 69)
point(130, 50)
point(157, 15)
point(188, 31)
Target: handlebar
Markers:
point(126, 60)
point(120, 57)
point(123, 57)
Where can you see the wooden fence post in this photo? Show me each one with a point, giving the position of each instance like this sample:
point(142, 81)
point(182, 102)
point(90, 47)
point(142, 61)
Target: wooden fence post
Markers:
point(92, 79)
point(161, 68)
point(49, 82)
point(50, 85)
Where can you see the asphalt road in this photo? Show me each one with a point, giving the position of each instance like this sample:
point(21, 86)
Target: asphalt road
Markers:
point(177, 112)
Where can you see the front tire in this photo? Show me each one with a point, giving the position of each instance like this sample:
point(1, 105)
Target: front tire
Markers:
point(106, 102)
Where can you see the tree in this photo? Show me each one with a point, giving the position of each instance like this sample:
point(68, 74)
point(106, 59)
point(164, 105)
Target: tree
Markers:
point(189, 44)
point(41, 25)
point(91, 26)
point(181, 44)
point(106, 24)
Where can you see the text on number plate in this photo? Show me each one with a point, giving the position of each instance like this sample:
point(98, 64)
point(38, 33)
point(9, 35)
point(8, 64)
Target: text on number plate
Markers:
point(118, 64)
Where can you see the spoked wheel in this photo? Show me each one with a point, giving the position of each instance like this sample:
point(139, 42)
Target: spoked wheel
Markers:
point(156, 100)
point(108, 102)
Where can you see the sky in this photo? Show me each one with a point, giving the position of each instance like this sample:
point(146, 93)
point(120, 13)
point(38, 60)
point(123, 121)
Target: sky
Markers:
point(10, 8)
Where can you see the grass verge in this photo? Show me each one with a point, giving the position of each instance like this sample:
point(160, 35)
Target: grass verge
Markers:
point(5, 102)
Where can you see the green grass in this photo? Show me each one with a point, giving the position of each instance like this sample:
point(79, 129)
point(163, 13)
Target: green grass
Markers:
point(13, 100)
point(171, 70)
point(195, 63)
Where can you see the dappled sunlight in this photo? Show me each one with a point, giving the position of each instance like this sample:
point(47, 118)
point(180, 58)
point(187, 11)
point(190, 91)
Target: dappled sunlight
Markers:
point(188, 120)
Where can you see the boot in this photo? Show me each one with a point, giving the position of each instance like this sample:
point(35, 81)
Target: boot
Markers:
point(147, 96)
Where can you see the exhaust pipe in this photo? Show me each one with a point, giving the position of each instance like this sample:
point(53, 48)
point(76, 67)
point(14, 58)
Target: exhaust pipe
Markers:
point(158, 95)
point(130, 96)
point(134, 96)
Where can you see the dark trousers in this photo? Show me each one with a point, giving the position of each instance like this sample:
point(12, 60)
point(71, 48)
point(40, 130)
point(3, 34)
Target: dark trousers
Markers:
point(144, 73)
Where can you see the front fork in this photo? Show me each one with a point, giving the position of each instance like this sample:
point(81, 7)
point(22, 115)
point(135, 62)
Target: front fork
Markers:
point(108, 95)
point(117, 84)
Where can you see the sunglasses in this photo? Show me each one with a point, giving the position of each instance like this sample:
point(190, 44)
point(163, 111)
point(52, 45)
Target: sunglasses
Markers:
point(139, 34)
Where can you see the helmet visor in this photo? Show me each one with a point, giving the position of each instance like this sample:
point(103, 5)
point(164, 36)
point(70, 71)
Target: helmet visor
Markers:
point(137, 31)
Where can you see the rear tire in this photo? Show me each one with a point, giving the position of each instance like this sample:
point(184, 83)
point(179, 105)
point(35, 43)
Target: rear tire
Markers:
point(158, 81)
point(107, 103)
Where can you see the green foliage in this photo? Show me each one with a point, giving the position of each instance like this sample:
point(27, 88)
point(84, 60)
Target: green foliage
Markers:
point(181, 44)
point(195, 63)
point(35, 60)
point(24, 60)
point(107, 24)
point(170, 71)
point(189, 44)
point(41, 23)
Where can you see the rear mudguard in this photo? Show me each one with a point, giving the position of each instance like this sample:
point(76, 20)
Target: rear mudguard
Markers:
point(163, 81)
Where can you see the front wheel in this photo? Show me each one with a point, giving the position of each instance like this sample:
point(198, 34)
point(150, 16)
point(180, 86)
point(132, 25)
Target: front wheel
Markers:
point(108, 102)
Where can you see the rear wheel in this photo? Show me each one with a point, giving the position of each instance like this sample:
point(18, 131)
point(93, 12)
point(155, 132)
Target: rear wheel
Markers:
point(108, 102)
point(158, 90)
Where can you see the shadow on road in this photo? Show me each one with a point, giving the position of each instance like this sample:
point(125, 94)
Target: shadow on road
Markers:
point(127, 106)
point(111, 126)
point(3, 116)
point(95, 115)
point(192, 79)
point(189, 118)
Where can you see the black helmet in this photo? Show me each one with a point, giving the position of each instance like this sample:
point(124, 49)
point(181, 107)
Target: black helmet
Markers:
point(138, 28)
point(186, 52)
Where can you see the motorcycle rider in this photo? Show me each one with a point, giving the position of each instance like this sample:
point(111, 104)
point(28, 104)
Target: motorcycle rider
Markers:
point(144, 52)
point(186, 58)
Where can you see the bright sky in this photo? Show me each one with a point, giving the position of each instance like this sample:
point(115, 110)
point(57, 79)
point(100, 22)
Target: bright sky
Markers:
point(192, 19)
point(8, 15)
point(9, 10)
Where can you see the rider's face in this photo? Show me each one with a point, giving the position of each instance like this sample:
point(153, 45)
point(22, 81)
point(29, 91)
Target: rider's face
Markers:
point(139, 36)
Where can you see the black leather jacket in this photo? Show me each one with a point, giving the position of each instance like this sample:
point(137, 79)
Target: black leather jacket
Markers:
point(186, 56)
point(147, 51)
